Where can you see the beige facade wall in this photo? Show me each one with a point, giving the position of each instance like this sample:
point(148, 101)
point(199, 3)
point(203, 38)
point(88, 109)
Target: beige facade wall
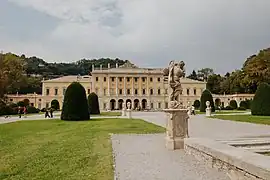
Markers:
point(143, 87)
point(55, 88)
point(225, 99)
point(34, 99)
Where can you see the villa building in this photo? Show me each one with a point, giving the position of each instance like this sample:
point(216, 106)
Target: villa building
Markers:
point(144, 88)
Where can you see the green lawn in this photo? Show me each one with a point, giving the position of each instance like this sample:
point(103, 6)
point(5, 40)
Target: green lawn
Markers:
point(56, 149)
point(110, 113)
point(224, 112)
point(245, 118)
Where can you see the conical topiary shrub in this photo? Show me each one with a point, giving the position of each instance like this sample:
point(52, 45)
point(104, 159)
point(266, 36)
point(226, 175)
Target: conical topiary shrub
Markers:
point(75, 106)
point(261, 102)
point(93, 103)
point(206, 96)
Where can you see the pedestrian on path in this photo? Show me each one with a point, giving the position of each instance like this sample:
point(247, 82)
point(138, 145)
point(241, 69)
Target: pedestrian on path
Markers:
point(24, 111)
point(47, 113)
point(19, 111)
point(51, 112)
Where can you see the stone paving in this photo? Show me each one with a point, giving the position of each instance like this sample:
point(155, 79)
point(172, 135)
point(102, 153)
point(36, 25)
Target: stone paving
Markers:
point(145, 156)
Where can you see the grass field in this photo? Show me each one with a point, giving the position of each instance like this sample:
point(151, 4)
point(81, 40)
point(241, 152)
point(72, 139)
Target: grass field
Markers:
point(55, 149)
point(110, 113)
point(245, 118)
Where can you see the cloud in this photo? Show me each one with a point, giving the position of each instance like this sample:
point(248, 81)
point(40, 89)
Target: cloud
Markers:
point(211, 33)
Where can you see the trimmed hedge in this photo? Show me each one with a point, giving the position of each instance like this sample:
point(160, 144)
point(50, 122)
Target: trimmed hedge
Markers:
point(197, 104)
point(93, 103)
point(261, 102)
point(233, 104)
point(75, 106)
point(243, 104)
point(55, 104)
point(206, 96)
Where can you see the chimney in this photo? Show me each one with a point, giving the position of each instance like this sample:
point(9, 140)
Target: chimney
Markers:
point(93, 67)
point(116, 65)
point(109, 66)
point(100, 67)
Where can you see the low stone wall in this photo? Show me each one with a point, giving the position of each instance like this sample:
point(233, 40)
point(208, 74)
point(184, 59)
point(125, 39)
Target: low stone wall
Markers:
point(239, 164)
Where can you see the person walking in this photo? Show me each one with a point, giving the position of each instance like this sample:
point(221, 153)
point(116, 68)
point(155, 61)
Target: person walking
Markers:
point(24, 111)
point(19, 112)
point(51, 112)
point(47, 113)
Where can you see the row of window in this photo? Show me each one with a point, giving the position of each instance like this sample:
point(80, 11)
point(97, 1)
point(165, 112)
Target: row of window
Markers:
point(128, 79)
point(120, 91)
point(64, 91)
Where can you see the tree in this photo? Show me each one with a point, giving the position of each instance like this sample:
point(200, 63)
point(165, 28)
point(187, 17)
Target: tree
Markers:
point(261, 102)
point(93, 103)
point(214, 83)
point(75, 106)
point(12, 68)
point(193, 75)
point(233, 104)
point(204, 73)
point(55, 104)
point(197, 104)
point(207, 96)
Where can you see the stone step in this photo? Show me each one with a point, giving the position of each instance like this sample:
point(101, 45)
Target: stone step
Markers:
point(258, 149)
point(247, 142)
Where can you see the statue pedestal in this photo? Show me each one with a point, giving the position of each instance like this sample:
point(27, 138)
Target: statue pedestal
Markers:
point(129, 113)
point(176, 128)
point(208, 112)
point(124, 112)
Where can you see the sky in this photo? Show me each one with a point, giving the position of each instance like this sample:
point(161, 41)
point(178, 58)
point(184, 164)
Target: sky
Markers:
point(217, 34)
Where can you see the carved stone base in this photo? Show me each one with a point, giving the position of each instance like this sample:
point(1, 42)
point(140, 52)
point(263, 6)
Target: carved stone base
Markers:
point(208, 112)
point(124, 112)
point(176, 128)
point(173, 144)
point(129, 113)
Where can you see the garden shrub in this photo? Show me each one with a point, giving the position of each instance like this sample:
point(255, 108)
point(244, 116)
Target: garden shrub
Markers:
point(206, 96)
point(75, 106)
point(228, 108)
point(197, 104)
point(243, 104)
point(93, 103)
point(32, 109)
point(233, 104)
point(261, 102)
point(241, 108)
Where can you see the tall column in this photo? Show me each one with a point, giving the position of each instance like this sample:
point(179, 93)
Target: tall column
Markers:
point(116, 86)
point(132, 85)
point(109, 86)
point(124, 85)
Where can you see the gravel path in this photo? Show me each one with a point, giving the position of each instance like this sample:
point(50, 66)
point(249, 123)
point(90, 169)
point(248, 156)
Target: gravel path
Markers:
point(144, 157)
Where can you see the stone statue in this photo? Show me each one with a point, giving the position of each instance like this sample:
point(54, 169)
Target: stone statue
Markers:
point(208, 110)
point(129, 110)
point(177, 115)
point(128, 105)
point(173, 74)
point(123, 109)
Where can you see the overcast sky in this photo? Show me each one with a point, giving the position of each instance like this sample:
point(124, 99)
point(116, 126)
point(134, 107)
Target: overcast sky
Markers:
point(219, 34)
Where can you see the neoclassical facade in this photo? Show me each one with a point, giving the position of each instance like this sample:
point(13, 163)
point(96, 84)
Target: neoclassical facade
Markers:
point(144, 88)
